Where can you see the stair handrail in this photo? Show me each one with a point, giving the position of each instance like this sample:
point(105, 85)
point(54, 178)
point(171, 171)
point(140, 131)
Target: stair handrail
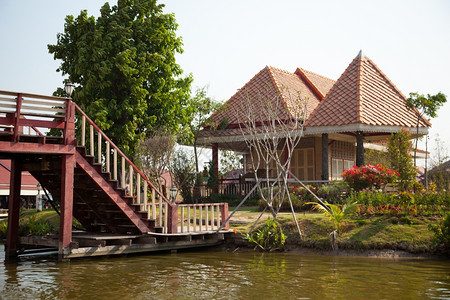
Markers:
point(136, 169)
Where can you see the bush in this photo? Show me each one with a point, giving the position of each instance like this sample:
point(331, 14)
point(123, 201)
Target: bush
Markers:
point(270, 237)
point(334, 193)
point(298, 196)
point(442, 233)
point(369, 177)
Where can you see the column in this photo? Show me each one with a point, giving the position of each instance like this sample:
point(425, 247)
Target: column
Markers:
point(215, 165)
point(325, 172)
point(359, 148)
point(14, 209)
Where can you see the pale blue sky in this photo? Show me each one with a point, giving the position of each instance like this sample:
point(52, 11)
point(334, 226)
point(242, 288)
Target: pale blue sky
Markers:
point(227, 42)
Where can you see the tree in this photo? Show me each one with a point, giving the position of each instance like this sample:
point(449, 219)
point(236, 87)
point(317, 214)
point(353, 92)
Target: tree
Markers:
point(424, 106)
point(229, 161)
point(398, 148)
point(182, 167)
point(201, 107)
point(153, 156)
point(124, 67)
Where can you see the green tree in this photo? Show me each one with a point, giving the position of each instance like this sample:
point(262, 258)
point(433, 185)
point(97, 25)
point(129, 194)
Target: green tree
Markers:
point(201, 107)
point(424, 105)
point(401, 160)
point(123, 66)
point(182, 168)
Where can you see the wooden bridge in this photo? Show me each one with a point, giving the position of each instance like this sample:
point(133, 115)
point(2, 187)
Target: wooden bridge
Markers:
point(94, 182)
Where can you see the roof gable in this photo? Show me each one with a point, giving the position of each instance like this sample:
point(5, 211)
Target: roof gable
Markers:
point(269, 84)
point(364, 95)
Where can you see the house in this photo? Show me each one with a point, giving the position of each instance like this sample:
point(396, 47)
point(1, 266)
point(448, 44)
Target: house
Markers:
point(359, 110)
point(28, 191)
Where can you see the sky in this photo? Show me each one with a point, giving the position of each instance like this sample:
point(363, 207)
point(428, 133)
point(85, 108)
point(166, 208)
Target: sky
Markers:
point(227, 42)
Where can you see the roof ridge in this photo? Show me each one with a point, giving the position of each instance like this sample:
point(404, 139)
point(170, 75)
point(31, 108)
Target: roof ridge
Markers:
point(317, 74)
point(300, 73)
point(238, 90)
point(275, 82)
point(396, 89)
point(329, 92)
point(359, 85)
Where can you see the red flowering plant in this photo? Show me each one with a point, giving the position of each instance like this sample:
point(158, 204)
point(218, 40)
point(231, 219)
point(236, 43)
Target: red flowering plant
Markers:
point(369, 177)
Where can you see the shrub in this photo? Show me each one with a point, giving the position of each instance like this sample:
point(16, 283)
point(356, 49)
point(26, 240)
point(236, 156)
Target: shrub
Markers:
point(298, 196)
point(334, 193)
point(442, 233)
point(369, 177)
point(270, 237)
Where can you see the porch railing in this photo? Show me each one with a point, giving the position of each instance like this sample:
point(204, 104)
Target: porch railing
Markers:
point(202, 217)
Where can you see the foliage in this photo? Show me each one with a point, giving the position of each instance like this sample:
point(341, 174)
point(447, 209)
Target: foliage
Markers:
point(401, 160)
point(201, 107)
point(123, 64)
point(212, 178)
point(229, 161)
point(375, 157)
point(153, 155)
point(298, 196)
point(369, 177)
point(442, 232)
point(182, 168)
point(426, 105)
point(270, 237)
point(424, 202)
point(336, 192)
point(336, 213)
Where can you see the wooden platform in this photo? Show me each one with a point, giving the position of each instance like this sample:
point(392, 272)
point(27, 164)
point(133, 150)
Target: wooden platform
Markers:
point(86, 244)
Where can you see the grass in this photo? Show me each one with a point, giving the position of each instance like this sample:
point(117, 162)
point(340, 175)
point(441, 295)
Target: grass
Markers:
point(358, 233)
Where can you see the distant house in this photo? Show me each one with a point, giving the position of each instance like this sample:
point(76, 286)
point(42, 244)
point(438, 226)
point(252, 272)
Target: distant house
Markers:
point(28, 190)
point(359, 110)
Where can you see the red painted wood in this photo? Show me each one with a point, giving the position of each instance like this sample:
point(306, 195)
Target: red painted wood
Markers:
point(17, 130)
point(66, 203)
point(14, 209)
point(215, 161)
point(111, 192)
point(10, 147)
point(224, 215)
point(113, 146)
point(69, 129)
point(172, 220)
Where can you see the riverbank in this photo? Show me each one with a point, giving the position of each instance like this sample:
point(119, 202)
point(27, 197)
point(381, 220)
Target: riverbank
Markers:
point(378, 236)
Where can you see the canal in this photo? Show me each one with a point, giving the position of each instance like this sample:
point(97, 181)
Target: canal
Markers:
point(220, 275)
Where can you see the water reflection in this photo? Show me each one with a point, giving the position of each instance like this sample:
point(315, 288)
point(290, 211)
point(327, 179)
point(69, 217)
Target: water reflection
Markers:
point(215, 275)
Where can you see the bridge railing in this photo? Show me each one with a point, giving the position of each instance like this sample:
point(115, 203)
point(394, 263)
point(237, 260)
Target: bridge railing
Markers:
point(129, 177)
point(202, 217)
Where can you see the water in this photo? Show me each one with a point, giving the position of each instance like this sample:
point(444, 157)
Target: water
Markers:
point(218, 275)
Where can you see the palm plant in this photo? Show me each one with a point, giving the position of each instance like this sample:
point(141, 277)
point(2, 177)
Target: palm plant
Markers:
point(336, 214)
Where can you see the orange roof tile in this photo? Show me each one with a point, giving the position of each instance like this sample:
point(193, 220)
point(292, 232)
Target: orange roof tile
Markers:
point(364, 95)
point(275, 84)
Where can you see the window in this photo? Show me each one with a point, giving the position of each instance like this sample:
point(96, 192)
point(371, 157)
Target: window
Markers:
point(338, 166)
point(302, 163)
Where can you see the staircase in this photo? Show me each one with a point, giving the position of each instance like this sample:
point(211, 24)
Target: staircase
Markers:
point(101, 202)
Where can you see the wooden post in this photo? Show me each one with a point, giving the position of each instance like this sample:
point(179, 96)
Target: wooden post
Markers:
point(325, 172)
point(215, 166)
point(65, 223)
point(17, 130)
point(67, 185)
point(172, 218)
point(359, 148)
point(224, 215)
point(14, 209)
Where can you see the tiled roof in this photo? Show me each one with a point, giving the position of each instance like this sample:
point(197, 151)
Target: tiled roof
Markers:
point(364, 95)
point(271, 83)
